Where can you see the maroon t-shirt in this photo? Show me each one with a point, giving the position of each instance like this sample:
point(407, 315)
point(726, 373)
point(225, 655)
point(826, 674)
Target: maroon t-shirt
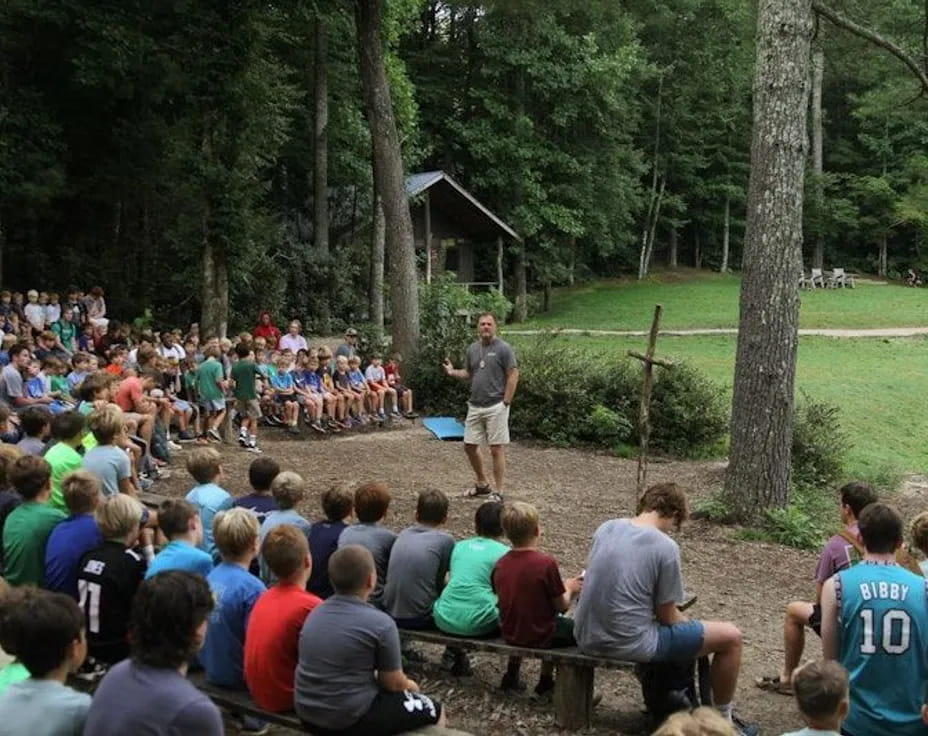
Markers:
point(526, 583)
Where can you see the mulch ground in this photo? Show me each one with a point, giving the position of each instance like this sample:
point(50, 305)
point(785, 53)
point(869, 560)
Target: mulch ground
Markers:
point(575, 491)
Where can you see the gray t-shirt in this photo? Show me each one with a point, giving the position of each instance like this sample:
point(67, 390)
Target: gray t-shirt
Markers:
point(43, 708)
point(631, 571)
point(419, 562)
point(379, 540)
point(349, 351)
point(133, 698)
point(488, 366)
point(342, 644)
point(110, 464)
point(275, 519)
point(11, 384)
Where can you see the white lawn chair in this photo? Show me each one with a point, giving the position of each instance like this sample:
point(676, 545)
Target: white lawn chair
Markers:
point(840, 280)
point(817, 279)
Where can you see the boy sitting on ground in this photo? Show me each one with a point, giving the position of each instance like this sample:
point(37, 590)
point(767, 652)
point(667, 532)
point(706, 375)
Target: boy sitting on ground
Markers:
point(180, 523)
point(821, 690)
point(46, 631)
point(150, 693)
point(109, 576)
point(371, 502)
point(208, 496)
point(273, 635)
point(74, 536)
point(419, 562)
point(35, 423)
point(235, 591)
point(288, 489)
point(337, 505)
point(532, 597)
point(260, 502)
point(68, 431)
point(28, 527)
point(350, 677)
point(838, 554)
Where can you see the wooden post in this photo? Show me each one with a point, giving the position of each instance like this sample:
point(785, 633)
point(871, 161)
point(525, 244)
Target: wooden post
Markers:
point(499, 263)
point(428, 239)
point(573, 696)
point(644, 411)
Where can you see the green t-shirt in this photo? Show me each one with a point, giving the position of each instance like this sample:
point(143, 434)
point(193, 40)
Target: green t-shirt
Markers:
point(60, 384)
point(63, 459)
point(24, 536)
point(468, 606)
point(66, 331)
point(209, 373)
point(89, 441)
point(243, 373)
point(14, 672)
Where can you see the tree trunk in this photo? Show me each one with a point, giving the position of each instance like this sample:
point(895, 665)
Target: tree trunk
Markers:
point(320, 142)
point(547, 296)
point(672, 259)
point(726, 235)
point(765, 368)
point(378, 237)
point(697, 250)
point(650, 230)
point(572, 264)
point(214, 321)
point(883, 266)
point(818, 74)
point(520, 306)
point(399, 243)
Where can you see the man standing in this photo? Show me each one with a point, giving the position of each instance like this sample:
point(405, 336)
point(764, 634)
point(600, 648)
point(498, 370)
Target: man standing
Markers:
point(349, 348)
point(874, 623)
point(491, 369)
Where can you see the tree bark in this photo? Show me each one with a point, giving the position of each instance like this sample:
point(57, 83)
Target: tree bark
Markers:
point(321, 142)
point(818, 75)
point(883, 266)
point(726, 235)
point(214, 321)
point(520, 306)
point(378, 237)
point(697, 249)
point(399, 243)
point(762, 405)
point(672, 259)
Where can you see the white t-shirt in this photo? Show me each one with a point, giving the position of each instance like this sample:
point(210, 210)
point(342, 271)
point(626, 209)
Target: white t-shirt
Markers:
point(35, 313)
point(175, 351)
point(292, 342)
point(375, 373)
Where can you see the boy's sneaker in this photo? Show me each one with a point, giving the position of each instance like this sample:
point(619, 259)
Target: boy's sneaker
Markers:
point(173, 446)
point(242, 440)
point(293, 429)
point(186, 436)
point(213, 434)
point(317, 426)
point(254, 449)
point(273, 420)
point(145, 483)
point(411, 415)
point(250, 725)
point(742, 728)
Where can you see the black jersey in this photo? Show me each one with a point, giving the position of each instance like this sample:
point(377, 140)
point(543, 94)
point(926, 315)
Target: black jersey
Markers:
point(108, 577)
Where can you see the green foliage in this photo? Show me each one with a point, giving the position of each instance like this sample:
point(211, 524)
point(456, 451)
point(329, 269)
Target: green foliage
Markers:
point(819, 444)
point(688, 412)
point(794, 527)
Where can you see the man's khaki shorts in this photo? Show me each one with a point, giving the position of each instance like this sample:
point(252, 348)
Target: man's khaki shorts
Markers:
point(250, 409)
point(487, 425)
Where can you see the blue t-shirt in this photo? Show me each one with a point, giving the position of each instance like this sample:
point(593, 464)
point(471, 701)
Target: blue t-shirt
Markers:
point(209, 499)
point(67, 543)
point(357, 379)
point(235, 591)
point(323, 541)
point(883, 610)
point(282, 381)
point(178, 555)
point(43, 707)
point(312, 380)
point(276, 518)
point(110, 464)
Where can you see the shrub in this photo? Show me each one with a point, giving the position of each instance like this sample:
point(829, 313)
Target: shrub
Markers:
point(819, 444)
point(688, 415)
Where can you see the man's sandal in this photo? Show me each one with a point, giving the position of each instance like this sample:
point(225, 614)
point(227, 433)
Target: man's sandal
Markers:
point(773, 685)
point(485, 493)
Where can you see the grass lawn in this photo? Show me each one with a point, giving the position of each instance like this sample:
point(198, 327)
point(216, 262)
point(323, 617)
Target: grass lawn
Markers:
point(879, 385)
point(703, 299)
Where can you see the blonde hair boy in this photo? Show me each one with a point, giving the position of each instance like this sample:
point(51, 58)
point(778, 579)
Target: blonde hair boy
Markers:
point(236, 534)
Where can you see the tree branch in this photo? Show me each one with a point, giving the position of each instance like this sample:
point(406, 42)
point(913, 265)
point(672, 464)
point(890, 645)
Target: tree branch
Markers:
point(874, 38)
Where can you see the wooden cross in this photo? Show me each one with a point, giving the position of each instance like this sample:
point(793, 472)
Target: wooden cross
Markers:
point(644, 412)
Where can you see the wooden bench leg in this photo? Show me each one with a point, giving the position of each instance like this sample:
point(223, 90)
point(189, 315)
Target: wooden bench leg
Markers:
point(573, 696)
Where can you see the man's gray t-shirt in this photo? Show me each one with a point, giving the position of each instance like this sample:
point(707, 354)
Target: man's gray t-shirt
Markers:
point(488, 366)
point(342, 644)
point(136, 699)
point(379, 540)
point(349, 351)
point(419, 561)
point(631, 571)
point(11, 385)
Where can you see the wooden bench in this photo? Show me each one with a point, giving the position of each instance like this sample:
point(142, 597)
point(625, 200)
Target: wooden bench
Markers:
point(239, 701)
point(152, 500)
point(573, 686)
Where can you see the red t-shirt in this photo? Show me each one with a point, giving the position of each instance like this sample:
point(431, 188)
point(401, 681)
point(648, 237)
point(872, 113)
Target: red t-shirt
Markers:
point(272, 644)
point(392, 373)
point(270, 333)
point(129, 393)
point(526, 583)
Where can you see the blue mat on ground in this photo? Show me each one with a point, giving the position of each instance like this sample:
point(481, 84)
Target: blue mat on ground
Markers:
point(445, 428)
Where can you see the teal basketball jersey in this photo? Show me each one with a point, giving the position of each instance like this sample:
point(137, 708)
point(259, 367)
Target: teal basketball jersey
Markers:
point(883, 624)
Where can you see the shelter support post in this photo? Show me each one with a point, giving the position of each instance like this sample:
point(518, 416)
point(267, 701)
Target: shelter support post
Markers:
point(499, 263)
point(428, 239)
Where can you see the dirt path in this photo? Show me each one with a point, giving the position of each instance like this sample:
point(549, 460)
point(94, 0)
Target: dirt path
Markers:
point(815, 332)
point(575, 491)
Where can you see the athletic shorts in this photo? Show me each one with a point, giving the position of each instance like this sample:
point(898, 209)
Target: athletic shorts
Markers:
point(487, 425)
point(181, 405)
point(389, 714)
point(284, 398)
point(213, 405)
point(815, 620)
point(248, 408)
point(679, 642)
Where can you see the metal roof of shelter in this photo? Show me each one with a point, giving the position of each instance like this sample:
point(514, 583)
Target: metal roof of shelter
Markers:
point(459, 205)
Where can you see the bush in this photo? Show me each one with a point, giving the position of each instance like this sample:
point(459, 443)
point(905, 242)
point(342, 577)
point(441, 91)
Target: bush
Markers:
point(688, 415)
point(819, 444)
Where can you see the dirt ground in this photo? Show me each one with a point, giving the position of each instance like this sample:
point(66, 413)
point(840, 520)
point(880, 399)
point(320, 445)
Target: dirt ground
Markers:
point(575, 491)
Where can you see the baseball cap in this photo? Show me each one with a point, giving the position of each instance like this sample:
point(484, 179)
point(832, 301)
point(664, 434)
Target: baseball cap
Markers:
point(351, 332)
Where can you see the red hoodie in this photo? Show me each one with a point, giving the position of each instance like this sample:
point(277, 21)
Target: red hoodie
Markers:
point(268, 331)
